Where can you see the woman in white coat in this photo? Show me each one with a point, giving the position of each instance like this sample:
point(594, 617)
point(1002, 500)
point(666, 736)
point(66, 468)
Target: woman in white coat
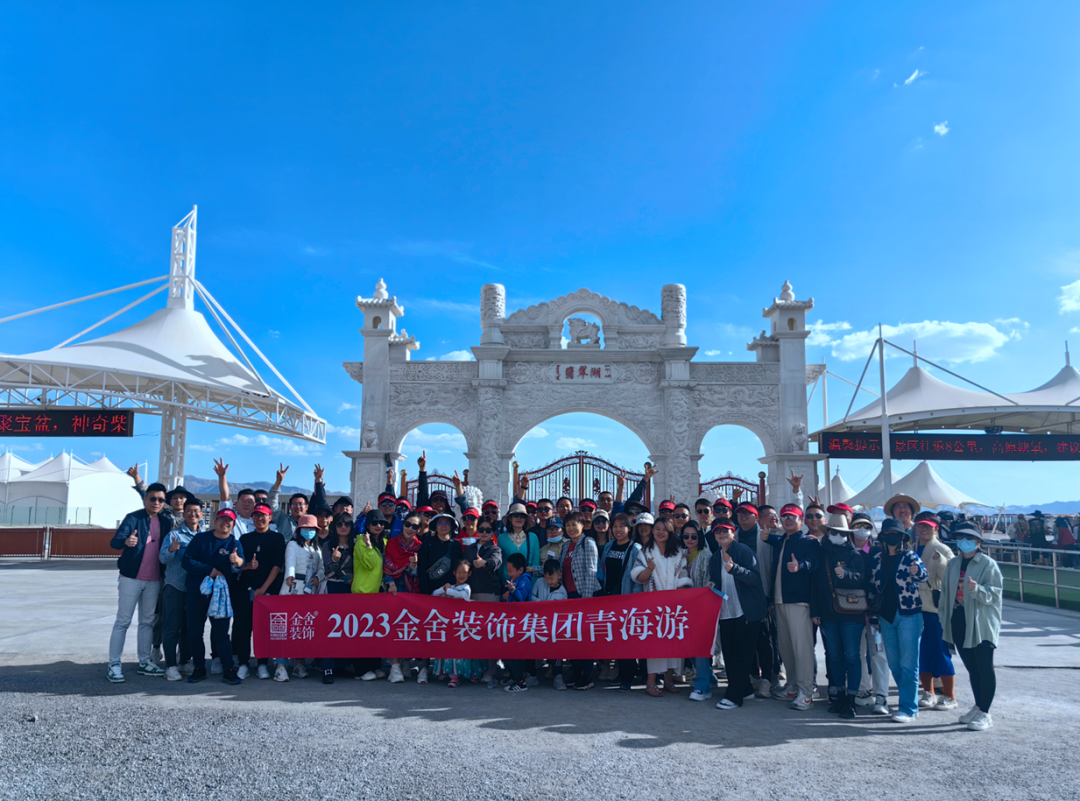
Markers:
point(661, 566)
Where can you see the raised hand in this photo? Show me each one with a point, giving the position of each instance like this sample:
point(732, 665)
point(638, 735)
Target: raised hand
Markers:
point(412, 562)
point(280, 475)
point(367, 539)
point(795, 481)
point(336, 553)
point(478, 562)
point(134, 473)
point(319, 473)
point(650, 471)
point(422, 462)
point(367, 508)
point(457, 483)
point(390, 476)
point(793, 565)
point(736, 494)
point(620, 481)
point(220, 467)
point(255, 562)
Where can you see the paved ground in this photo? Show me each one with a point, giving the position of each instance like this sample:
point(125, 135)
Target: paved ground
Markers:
point(67, 733)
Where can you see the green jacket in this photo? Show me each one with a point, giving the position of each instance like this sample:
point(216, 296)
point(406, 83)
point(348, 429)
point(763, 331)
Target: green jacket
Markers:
point(982, 606)
point(367, 568)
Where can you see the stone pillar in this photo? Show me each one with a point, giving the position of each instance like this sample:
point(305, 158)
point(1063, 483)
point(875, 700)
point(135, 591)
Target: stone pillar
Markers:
point(680, 466)
point(492, 313)
point(673, 312)
point(492, 469)
point(368, 476)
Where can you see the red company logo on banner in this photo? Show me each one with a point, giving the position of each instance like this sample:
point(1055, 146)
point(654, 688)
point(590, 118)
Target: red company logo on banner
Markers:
point(679, 623)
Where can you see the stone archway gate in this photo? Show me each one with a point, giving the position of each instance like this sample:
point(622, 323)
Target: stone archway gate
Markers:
point(642, 377)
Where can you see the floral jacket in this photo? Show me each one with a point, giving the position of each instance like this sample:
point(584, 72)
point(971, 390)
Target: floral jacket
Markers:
point(907, 585)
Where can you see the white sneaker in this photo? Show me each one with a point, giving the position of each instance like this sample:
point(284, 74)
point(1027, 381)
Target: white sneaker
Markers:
point(115, 674)
point(157, 654)
point(802, 703)
point(945, 703)
point(243, 672)
point(148, 668)
point(864, 698)
point(187, 668)
point(969, 716)
point(764, 689)
point(396, 676)
point(263, 672)
point(560, 682)
point(981, 722)
point(926, 700)
point(380, 673)
point(904, 717)
point(421, 677)
point(696, 696)
point(300, 671)
point(880, 706)
point(215, 667)
point(724, 703)
point(281, 673)
point(173, 674)
point(371, 675)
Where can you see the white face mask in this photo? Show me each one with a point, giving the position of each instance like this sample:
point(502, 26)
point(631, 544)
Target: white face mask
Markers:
point(837, 539)
point(468, 540)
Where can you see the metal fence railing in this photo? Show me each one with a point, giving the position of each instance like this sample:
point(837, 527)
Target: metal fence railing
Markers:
point(45, 515)
point(1048, 576)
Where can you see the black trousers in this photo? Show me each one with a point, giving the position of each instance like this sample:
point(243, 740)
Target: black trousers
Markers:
point(766, 652)
point(737, 638)
point(174, 625)
point(978, 661)
point(198, 606)
point(243, 614)
point(360, 666)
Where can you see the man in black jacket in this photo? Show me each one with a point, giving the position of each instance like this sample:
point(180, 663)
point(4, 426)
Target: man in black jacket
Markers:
point(795, 558)
point(139, 539)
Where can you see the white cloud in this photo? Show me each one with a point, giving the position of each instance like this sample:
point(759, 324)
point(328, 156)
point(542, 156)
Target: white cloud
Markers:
point(574, 443)
point(35, 447)
point(457, 356)
point(952, 343)
point(279, 446)
point(1074, 330)
point(206, 448)
point(450, 250)
point(874, 77)
point(942, 128)
point(273, 333)
point(348, 432)
point(915, 75)
point(714, 352)
point(420, 440)
point(821, 333)
point(536, 433)
point(346, 407)
point(1069, 299)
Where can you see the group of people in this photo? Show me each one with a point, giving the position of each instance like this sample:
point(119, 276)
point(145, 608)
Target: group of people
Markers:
point(893, 600)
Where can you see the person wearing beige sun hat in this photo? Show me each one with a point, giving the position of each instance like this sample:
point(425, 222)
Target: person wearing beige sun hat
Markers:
point(903, 508)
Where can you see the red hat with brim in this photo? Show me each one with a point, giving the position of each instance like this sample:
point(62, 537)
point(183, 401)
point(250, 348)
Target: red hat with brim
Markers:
point(749, 508)
point(727, 526)
point(422, 509)
point(229, 513)
point(721, 502)
point(667, 505)
point(404, 502)
point(263, 508)
point(490, 505)
point(791, 509)
point(840, 509)
point(588, 503)
point(471, 512)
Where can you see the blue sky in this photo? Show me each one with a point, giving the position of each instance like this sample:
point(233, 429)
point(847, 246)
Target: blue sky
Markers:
point(910, 164)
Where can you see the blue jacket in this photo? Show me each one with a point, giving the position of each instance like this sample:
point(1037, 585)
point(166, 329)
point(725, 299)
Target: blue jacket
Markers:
point(628, 583)
point(908, 600)
point(206, 553)
point(131, 558)
point(175, 575)
point(795, 587)
point(522, 588)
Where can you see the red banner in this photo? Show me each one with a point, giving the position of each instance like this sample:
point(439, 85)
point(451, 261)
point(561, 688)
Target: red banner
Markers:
point(678, 623)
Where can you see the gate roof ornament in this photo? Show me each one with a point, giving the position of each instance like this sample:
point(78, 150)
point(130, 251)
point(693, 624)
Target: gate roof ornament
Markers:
point(554, 312)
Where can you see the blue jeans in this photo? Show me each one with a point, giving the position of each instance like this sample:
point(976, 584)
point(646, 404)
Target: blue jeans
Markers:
point(704, 679)
point(902, 652)
point(842, 642)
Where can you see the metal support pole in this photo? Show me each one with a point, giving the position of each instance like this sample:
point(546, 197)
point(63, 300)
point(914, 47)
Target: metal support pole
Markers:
point(886, 445)
point(1057, 592)
point(1020, 576)
point(171, 452)
point(825, 424)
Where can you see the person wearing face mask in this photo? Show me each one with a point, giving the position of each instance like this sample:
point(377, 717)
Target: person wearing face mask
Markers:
point(970, 616)
point(934, 659)
point(897, 574)
point(838, 604)
point(553, 540)
point(874, 684)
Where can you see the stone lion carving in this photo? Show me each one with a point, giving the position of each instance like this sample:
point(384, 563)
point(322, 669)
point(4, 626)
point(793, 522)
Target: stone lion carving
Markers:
point(582, 330)
point(799, 439)
point(371, 435)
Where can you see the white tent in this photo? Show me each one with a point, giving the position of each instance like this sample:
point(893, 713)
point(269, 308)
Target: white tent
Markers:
point(67, 490)
point(873, 494)
point(11, 467)
point(839, 489)
point(931, 490)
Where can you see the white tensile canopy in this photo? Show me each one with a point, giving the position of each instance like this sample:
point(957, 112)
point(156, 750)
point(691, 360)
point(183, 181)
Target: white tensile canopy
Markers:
point(923, 484)
point(839, 489)
point(873, 495)
point(65, 489)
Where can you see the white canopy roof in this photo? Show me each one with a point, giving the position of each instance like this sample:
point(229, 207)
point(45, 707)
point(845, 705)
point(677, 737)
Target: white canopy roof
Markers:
point(930, 489)
point(839, 490)
point(873, 494)
point(12, 466)
point(103, 465)
point(920, 401)
point(60, 469)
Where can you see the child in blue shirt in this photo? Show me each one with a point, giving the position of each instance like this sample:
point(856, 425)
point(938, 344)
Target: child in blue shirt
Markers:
point(518, 589)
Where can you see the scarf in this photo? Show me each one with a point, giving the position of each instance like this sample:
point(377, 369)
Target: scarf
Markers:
point(396, 560)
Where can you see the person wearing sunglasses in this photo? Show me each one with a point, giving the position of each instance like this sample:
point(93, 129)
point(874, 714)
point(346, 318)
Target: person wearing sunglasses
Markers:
point(970, 616)
point(138, 538)
point(703, 513)
point(815, 522)
point(746, 515)
point(795, 558)
point(601, 528)
point(490, 512)
point(545, 510)
point(516, 538)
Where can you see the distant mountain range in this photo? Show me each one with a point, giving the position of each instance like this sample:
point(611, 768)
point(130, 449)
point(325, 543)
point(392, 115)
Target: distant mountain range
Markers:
point(1052, 508)
point(208, 486)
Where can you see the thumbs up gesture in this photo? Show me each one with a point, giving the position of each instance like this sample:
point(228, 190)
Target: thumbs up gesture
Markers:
point(793, 565)
point(336, 553)
point(914, 570)
point(255, 562)
point(174, 546)
point(839, 571)
point(412, 562)
point(728, 562)
point(235, 560)
point(972, 584)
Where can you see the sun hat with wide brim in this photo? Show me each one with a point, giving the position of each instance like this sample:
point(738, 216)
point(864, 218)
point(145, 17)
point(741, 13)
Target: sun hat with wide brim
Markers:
point(914, 504)
point(838, 522)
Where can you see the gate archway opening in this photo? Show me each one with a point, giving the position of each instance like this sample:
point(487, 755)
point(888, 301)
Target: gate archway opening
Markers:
point(444, 446)
point(730, 456)
point(579, 454)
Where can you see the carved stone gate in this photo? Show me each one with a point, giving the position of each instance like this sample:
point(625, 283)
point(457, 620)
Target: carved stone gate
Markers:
point(642, 377)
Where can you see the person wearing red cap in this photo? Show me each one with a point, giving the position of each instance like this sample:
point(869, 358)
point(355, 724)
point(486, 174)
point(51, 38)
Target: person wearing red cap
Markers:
point(746, 514)
point(935, 661)
point(665, 510)
point(490, 512)
point(264, 551)
point(722, 511)
point(842, 509)
point(470, 518)
point(795, 558)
